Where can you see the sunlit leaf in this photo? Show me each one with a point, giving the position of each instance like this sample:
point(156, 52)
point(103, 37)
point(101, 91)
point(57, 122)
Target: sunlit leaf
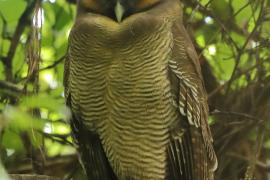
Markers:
point(19, 120)
point(42, 101)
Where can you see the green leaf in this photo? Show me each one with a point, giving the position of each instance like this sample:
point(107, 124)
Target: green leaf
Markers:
point(12, 9)
point(43, 100)
point(12, 140)
point(54, 148)
point(221, 8)
point(20, 120)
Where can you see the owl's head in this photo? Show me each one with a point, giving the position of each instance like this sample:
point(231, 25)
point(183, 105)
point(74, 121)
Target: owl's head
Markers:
point(118, 10)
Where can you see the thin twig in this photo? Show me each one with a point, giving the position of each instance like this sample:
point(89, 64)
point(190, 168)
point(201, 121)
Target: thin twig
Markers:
point(259, 164)
point(60, 138)
point(211, 94)
point(54, 64)
point(241, 50)
point(237, 114)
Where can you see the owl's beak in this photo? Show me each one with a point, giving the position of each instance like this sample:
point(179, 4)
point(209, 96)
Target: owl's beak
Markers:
point(119, 11)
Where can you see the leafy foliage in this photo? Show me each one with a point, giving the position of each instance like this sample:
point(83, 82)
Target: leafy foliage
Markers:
point(232, 39)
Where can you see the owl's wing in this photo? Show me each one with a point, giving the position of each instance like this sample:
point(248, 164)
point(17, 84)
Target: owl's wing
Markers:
point(192, 102)
point(89, 146)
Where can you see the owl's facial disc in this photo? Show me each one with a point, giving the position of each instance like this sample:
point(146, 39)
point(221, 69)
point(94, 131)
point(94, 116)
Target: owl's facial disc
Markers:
point(125, 8)
point(118, 10)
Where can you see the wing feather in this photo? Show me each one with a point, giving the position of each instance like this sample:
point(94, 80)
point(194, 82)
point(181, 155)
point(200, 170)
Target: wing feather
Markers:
point(192, 105)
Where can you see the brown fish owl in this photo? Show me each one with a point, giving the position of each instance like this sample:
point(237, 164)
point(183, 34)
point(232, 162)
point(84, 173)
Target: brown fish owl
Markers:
point(134, 86)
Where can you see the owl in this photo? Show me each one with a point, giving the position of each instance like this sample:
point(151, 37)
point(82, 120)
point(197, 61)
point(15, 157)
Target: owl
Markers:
point(134, 86)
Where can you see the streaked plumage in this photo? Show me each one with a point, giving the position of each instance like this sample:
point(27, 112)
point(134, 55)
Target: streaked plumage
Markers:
point(136, 93)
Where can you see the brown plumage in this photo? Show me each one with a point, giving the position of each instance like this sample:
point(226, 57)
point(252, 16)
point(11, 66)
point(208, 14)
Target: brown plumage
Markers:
point(134, 86)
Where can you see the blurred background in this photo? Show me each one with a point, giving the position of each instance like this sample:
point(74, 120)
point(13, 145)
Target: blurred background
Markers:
point(232, 38)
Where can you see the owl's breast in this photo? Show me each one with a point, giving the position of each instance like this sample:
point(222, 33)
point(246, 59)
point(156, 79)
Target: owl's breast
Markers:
point(133, 73)
point(124, 94)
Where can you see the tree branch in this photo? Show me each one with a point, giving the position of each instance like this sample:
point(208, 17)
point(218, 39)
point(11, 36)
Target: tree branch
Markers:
point(23, 22)
point(10, 88)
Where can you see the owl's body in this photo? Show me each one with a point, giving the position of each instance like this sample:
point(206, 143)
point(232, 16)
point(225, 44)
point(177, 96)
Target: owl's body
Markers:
point(123, 84)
